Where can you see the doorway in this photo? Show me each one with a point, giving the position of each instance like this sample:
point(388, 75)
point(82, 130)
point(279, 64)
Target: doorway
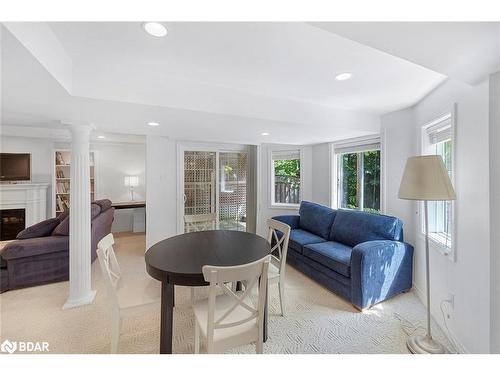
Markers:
point(214, 190)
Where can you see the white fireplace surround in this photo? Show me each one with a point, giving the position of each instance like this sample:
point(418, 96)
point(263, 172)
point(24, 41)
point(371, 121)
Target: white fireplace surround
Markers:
point(30, 196)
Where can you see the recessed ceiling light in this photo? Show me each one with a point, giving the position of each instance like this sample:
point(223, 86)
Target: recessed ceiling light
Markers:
point(152, 123)
point(155, 29)
point(101, 136)
point(343, 76)
point(265, 133)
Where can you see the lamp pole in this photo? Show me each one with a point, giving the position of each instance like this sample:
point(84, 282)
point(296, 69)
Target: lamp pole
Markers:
point(426, 344)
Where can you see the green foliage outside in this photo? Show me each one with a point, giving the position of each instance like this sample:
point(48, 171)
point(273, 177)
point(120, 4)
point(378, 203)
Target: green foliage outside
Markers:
point(287, 168)
point(371, 186)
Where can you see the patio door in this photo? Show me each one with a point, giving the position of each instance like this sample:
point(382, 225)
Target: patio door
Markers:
point(214, 190)
point(200, 204)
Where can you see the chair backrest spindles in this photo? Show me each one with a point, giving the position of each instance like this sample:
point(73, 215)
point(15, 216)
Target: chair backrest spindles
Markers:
point(201, 222)
point(279, 233)
point(218, 277)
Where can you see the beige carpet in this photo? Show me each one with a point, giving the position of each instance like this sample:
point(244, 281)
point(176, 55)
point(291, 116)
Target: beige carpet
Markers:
point(317, 321)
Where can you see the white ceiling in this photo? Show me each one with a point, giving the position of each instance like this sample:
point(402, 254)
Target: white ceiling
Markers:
point(224, 82)
point(466, 51)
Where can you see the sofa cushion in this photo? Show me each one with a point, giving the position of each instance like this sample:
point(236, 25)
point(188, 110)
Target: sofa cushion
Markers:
point(334, 255)
point(104, 203)
point(299, 238)
point(41, 229)
point(62, 229)
point(35, 246)
point(95, 210)
point(63, 215)
point(316, 219)
point(354, 227)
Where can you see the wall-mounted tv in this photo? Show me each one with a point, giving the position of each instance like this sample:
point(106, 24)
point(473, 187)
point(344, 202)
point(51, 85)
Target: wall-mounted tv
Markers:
point(15, 167)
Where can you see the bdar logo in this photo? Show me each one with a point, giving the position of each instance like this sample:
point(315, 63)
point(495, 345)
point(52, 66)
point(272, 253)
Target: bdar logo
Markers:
point(8, 346)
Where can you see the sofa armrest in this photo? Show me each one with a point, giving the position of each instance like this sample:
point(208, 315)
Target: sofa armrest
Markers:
point(32, 247)
point(379, 270)
point(291, 220)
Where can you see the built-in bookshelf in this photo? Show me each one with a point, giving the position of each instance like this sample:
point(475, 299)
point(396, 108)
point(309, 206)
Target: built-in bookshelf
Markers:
point(61, 186)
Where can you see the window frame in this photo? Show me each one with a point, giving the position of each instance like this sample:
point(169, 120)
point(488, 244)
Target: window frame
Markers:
point(272, 202)
point(440, 246)
point(358, 143)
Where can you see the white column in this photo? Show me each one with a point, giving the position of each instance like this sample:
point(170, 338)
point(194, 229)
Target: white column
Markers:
point(80, 292)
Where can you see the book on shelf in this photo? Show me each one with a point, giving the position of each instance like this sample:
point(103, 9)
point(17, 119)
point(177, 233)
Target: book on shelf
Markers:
point(61, 204)
point(60, 173)
point(62, 187)
point(60, 159)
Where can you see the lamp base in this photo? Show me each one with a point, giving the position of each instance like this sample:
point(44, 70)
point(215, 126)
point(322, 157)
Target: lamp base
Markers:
point(424, 345)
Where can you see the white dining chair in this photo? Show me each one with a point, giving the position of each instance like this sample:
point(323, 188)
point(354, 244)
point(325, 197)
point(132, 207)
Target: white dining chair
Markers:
point(128, 295)
point(200, 222)
point(278, 258)
point(197, 223)
point(232, 318)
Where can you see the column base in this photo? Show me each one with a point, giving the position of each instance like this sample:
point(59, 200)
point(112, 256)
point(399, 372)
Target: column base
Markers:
point(85, 300)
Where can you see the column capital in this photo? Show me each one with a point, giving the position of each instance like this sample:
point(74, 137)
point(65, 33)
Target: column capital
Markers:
point(78, 126)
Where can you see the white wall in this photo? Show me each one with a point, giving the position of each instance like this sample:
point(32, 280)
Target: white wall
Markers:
point(321, 174)
point(265, 211)
point(161, 189)
point(115, 161)
point(495, 209)
point(467, 278)
point(397, 135)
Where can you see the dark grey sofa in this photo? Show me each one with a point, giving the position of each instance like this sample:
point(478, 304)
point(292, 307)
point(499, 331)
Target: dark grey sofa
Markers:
point(40, 254)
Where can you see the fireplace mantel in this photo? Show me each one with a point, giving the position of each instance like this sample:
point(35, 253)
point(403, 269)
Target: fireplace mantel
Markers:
point(28, 195)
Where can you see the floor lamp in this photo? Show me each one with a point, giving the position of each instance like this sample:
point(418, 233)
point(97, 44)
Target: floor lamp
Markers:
point(425, 179)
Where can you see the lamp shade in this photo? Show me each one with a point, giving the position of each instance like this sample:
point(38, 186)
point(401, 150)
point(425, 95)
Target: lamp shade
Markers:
point(425, 178)
point(131, 181)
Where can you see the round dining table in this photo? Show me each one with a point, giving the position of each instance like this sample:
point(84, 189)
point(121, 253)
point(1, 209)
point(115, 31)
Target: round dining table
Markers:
point(179, 260)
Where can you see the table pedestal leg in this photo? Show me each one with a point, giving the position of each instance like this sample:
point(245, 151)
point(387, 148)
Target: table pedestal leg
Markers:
point(167, 314)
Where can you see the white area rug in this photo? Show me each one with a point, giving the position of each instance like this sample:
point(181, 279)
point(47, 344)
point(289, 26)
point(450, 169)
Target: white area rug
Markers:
point(317, 321)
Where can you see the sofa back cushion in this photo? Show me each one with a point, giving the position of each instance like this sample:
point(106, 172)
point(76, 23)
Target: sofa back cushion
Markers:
point(41, 229)
point(354, 227)
point(95, 210)
point(316, 219)
point(62, 229)
point(105, 204)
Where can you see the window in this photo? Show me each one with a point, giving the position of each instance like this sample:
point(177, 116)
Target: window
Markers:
point(437, 139)
point(285, 177)
point(358, 176)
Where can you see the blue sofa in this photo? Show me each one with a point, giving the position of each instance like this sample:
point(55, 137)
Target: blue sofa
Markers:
point(359, 256)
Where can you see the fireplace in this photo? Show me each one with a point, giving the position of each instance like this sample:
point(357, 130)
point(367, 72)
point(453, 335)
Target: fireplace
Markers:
point(12, 221)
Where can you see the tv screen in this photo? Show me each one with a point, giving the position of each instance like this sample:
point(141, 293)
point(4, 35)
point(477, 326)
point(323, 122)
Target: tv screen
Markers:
point(15, 167)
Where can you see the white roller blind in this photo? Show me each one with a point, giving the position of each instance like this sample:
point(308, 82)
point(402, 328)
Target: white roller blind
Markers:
point(440, 130)
point(359, 146)
point(286, 155)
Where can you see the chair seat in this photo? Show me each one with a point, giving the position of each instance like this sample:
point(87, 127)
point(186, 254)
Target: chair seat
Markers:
point(333, 255)
point(300, 238)
point(231, 336)
point(137, 289)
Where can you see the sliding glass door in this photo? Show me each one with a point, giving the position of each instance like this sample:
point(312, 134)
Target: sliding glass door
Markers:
point(233, 190)
point(215, 190)
point(199, 191)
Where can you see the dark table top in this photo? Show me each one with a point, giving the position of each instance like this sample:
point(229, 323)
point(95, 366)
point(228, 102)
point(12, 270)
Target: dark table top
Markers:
point(179, 260)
